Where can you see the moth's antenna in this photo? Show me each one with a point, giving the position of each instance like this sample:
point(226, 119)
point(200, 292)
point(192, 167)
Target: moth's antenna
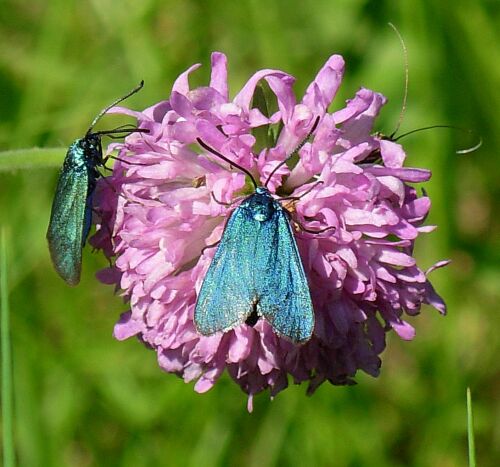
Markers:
point(405, 96)
point(119, 131)
point(224, 158)
point(472, 149)
point(127, 127)
point(295, 151)
point(103, 111)
point(124, 126)
point(460, 151)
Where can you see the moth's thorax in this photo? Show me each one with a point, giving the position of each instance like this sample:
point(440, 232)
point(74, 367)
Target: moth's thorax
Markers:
point(261, 204)
point(84, 152)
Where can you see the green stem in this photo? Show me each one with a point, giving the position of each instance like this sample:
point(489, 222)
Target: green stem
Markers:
point(33, 158)
point(470, 431)
point(7, 394)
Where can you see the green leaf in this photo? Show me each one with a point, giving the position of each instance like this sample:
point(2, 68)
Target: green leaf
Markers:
point(265, 100)
point(7, 390)
point(470, 431)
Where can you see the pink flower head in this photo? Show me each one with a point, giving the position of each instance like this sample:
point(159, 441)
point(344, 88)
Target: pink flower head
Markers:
point(168, 199)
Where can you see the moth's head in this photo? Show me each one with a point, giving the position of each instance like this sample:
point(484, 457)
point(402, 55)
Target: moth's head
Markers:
point(260, 190)
point(91, 145)
point(91, 141)
point(261, 204)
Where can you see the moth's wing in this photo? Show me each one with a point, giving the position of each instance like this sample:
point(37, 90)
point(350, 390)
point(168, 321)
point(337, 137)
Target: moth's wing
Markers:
point(69, 224)
point(227, 295)
point(282, 290)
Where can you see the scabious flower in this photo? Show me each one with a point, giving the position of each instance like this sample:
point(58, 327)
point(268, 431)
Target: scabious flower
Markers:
point(168, 199)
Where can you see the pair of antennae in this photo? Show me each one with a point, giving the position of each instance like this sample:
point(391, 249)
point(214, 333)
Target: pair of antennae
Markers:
point(460, 151)
point(405, 98)
point(103, 111)
point(247, 172)
point(316, 122)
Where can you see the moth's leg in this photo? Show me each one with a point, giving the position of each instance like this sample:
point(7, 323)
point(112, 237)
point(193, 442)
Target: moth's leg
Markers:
point(221, 202)
point(305, 229)
point(209, 246)
point(296, 198)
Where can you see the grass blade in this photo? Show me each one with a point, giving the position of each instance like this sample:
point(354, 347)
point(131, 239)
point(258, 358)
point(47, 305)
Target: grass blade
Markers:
point(470, 431)
point(7, 396)
point(33, 158)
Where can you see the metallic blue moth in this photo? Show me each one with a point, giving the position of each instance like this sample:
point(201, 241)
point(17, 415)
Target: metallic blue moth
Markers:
point(256, 272)
point(71, 215)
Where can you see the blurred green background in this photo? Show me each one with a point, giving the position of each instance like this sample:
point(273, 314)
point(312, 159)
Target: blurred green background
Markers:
point(84, 399)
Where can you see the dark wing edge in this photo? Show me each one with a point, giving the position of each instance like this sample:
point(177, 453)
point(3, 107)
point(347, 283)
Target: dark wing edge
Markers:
point(283, 293)
point(226, 296)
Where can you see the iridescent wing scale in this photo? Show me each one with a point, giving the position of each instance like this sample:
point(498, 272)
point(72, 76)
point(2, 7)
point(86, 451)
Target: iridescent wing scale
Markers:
point(283, 294)
point(257, 266)
point(226, 296)
point(70, 223)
